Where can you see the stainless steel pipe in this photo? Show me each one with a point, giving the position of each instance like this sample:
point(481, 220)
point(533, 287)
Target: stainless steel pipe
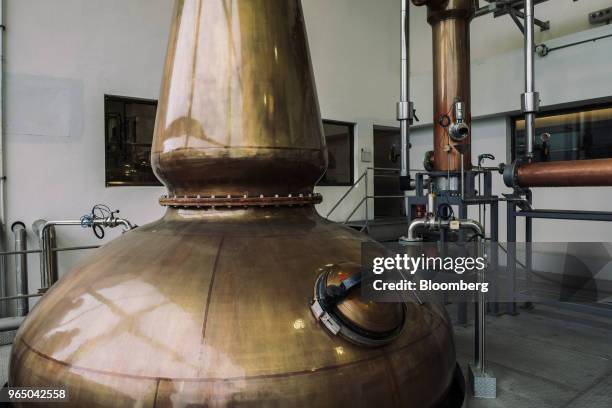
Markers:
point(11, 323)
point(405, 110)
point(48, 259)
point(21, 268)
point(530, 99)
point(414, 226)
point(46, 234)
point(436, 224)
point(20, 296)
point(3, 268)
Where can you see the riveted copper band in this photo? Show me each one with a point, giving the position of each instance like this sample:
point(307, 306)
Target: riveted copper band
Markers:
point(240, 201)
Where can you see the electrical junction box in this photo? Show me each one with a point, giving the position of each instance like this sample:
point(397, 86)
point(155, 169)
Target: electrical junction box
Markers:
point(366, 155)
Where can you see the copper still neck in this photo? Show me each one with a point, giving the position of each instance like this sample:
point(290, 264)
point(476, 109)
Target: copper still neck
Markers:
point(450, 22)
point(238, 115)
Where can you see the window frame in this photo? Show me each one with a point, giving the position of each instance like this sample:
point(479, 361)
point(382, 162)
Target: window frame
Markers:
point(128, 99)
point(125, 99)
point(352, 126)
point(573, 107)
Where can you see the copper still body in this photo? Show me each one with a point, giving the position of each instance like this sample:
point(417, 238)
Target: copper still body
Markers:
point(450, 23)
point(209, 306)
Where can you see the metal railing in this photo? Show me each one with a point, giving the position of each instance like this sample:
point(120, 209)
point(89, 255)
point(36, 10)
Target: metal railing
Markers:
point(41, 252)
point(365, 176)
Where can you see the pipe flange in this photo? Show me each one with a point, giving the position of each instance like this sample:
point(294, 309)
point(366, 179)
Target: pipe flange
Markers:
point(405, 241)
point(240, 201)
point(428, 161)
point(510, 172)
point(459, 131)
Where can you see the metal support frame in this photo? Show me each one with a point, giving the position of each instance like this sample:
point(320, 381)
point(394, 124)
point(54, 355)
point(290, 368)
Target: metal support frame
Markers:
point(513, 213)
point(472, 198)
point(510, 286)
point(512, 8)
point(483, 384)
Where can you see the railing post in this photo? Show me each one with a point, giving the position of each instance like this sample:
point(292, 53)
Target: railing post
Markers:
point(367, 199)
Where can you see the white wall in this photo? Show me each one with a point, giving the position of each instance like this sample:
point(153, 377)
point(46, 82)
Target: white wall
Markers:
point(61, 57)
point(354, 46)
point(492, 37)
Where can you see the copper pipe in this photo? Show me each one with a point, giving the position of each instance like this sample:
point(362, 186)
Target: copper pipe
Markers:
point(450, 22)
point(575, 173)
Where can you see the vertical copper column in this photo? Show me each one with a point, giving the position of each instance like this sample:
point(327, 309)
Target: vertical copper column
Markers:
point(450, 22)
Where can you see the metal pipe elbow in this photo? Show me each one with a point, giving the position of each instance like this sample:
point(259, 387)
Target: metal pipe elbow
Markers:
point(414, 226)
point(474, 226)
point(125, 224)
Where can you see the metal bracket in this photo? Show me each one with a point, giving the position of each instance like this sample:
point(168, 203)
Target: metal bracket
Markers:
point(324, 317)
point(512, 8)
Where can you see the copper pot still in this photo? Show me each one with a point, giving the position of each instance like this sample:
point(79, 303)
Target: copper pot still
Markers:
point(209, 306)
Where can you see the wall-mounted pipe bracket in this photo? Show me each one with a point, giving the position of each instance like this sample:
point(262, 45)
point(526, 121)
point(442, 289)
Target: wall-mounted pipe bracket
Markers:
point(530, 102)
point(405, 111)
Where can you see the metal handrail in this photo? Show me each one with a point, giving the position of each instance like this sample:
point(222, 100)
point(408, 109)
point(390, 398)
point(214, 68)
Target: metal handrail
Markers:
point(38, 251)
point(346, 194)
point(366, 197)
point(17, 297)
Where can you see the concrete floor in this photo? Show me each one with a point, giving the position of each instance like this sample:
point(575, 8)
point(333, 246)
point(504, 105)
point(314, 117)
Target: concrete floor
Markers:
point(542, 358)
point(546, 357)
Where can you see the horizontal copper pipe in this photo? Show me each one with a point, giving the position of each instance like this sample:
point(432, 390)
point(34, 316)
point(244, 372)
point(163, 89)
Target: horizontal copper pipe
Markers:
point(575, 173)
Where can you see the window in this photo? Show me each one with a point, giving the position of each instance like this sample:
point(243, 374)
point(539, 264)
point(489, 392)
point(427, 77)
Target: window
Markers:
point(340, 146)
point(573, 134)
point(129, 124)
